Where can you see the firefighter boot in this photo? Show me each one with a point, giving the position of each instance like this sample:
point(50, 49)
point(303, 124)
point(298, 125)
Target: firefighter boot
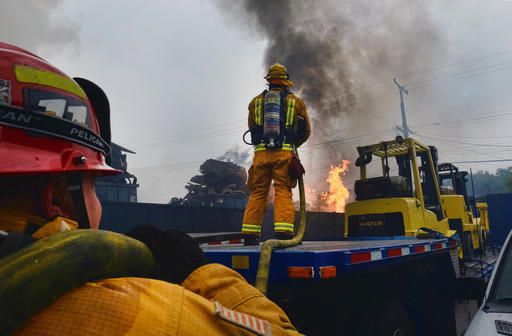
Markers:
point(283, 236)
point(251, 240)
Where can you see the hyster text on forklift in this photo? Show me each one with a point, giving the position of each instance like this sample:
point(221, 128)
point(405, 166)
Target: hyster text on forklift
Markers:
point(397, 272)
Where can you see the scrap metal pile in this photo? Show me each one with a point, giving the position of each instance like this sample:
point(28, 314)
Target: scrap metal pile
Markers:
point(218, 179)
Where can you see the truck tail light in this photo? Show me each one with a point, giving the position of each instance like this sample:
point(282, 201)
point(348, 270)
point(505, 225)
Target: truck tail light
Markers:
point(328, 272)
point(300, 272)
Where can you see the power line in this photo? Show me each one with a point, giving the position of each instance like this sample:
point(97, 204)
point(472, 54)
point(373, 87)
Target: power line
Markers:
point(198, 137)
point(437, 68)
point(438, 80)
point(181, 165)
point(465, 149)
point(195, 138)
point(168, 140)
point(472, 137)
point(199, 130)
point(426, 81)
point(493, 115)
point(484, 161)
point(368, 97)
point(462, 142)
point(458, 63)
point(217, 133)
point(444, 138)
point(460, 75)
point(343, 140)
point(189, 138)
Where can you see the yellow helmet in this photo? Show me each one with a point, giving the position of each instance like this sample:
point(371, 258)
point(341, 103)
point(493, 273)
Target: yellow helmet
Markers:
point(278, 73)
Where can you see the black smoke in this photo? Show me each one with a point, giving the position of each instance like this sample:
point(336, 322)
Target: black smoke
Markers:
point(336, 52)
point(333, 49)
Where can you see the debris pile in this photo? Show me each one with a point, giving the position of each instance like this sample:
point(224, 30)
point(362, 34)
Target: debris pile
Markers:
point(218, 179)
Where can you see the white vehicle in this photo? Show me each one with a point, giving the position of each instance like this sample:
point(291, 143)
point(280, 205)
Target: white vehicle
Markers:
point(494, 317)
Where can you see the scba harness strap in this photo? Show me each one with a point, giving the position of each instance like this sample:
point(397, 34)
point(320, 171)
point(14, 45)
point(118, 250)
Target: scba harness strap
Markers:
point(287, 122)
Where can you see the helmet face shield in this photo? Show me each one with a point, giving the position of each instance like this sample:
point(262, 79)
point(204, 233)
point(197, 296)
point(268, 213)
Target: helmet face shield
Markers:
point(58, 105)
point(100, 104)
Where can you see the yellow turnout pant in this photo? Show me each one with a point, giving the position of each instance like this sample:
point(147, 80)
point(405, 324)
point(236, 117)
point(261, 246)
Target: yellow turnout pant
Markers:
point(269, 165)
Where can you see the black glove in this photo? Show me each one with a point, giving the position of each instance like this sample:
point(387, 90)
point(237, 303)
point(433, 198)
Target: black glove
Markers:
point(176, 253)
point(301, 128)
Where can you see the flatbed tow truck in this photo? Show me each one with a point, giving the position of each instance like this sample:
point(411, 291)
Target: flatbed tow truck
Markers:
point(346, 286)
point(397, 272)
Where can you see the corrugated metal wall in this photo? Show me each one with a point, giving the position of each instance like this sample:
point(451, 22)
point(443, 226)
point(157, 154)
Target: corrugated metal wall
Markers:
point(500, 217)
point(121, 217)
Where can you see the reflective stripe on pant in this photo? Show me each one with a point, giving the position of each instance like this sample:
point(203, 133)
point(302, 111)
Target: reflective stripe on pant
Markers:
point(283, 227)
point(251, 229)
point(270, 165)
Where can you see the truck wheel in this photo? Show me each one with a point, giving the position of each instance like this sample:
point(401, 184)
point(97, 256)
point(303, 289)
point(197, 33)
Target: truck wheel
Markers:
point(467, 246)
point(393, 322)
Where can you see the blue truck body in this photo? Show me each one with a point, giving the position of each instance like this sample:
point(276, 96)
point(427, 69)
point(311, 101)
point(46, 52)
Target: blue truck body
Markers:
point(347, 256)
point(343, 284)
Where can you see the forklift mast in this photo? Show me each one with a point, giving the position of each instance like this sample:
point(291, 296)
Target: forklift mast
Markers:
point(458, 179)
point(401, 199)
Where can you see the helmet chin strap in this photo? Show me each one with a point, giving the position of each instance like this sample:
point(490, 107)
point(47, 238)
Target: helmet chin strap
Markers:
point(77, 195)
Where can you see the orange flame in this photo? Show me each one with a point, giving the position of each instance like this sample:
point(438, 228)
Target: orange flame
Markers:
point(337, 196)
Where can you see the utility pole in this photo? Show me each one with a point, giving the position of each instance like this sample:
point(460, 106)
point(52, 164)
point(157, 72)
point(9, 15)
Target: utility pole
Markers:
point(402, 90)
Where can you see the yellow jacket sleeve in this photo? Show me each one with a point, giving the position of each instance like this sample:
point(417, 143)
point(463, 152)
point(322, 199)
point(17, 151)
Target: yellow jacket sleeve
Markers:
point(216, 282)
point(137, 306)
point(303, 112)
point(251, 120)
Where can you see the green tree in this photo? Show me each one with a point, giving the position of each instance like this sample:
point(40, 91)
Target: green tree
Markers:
point(489, 183)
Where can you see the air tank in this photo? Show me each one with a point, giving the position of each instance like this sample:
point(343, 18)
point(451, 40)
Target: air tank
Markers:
point(271, 118)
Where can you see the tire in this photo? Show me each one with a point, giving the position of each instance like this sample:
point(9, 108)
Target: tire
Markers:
point(393, 322)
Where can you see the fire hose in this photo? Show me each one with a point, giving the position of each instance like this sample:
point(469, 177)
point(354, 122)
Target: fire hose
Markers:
point(268, 246)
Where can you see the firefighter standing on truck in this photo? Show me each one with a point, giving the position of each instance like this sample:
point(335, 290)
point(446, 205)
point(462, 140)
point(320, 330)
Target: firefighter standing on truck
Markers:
point(279, 124)
point(54, 137)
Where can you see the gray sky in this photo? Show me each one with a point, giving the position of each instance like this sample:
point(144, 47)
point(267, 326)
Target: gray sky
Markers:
point(179, 75)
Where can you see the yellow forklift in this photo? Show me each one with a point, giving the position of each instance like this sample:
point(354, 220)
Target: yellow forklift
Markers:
point(406, 199)
point(483, 218)
point(471, 222)
point(403, 199)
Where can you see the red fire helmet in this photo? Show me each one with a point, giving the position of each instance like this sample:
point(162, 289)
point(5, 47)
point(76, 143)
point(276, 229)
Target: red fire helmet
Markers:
point(50, 123)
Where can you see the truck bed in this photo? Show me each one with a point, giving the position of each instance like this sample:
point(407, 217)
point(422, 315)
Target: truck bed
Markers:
point(326, 259)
